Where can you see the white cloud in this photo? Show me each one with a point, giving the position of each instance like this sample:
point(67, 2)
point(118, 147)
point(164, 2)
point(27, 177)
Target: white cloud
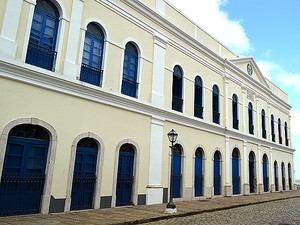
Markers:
point(207, 14)
point(295, 121)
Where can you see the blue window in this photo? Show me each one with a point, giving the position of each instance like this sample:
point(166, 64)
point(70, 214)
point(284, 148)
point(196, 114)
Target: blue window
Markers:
point(273, 128)
point(235, 112)
point(42, 41)
point(92, 55)
point(177, 101)
point(198, 106)
point(286, 134)
point(279, 131)
point(130, 68)
point(215, 103)
point(250, 118)
point(263, 124)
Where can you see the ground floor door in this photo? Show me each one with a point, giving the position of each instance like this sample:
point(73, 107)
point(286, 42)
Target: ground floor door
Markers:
point(176, 172)
point(84, 178)
point(198, 175)
point(235, 174)
point(217, 175)
point(251, 176)
point(23, 177)
point(265, 176)
point(125, 176)
point(276, 177)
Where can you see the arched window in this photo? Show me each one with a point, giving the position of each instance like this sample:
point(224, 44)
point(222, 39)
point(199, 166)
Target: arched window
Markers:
point(199, 172)
point(250, 118)
point(236, 180)
point(279, 131)
point(215, 104)
point(130, 71)
point(273, 128)
point(263, 124)
point(235, 112)
point(283, 176)
point(92, 55)
point(286, 134)
point(41, 47)
point(198, 106)
point(177, 101)
point(265, 173)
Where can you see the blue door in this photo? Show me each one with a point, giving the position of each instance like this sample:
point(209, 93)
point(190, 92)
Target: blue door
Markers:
point(283, 176)
point(41, 47)
point(265, 176)
point(198, 174)
point(251, 176)
point(84, 178)
point(217, 174)
point(276, 177)
point(23, 177)
point(290, 176)
point(235, 174)
point(176, 172)
point(125, 178)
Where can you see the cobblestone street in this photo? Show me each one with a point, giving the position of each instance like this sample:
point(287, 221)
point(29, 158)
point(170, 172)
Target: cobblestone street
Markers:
point(278, 212)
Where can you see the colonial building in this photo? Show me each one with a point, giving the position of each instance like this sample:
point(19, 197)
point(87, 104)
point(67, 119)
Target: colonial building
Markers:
point(90, 90)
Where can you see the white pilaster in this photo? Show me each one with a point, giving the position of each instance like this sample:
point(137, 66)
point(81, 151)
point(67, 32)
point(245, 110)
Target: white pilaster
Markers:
point(228, 186)
point(8, 45)
point(158, 70)
point(226, 103)
point(258, 124)
point(161, 7)
point(154, 187)
point(70, 66)
point(246, 169)
point(244, 110)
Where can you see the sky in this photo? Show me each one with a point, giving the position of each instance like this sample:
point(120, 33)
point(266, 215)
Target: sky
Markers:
point(269, 31)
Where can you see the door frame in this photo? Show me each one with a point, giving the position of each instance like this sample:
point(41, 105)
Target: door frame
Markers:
point(46, 196)
point(136, 165)
point(99, 169)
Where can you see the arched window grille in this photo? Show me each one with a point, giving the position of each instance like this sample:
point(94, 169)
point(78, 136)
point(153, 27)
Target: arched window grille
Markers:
point(177, 101)
point(235, 112)
point(198, 105)
point(215, 104)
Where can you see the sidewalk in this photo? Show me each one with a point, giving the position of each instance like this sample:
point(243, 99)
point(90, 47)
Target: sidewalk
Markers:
point(140, 214)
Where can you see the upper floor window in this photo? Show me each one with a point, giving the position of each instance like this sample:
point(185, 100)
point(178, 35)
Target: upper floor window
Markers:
point(235, 112)
point(215, 104)
point(92, 55)
point(273, 128)
point(263, 124)
point(198, 106)
point(279, 131)
point(286, 134)
point(130, 71)
point(177, 101)
point(41, 47)
point(250, 118)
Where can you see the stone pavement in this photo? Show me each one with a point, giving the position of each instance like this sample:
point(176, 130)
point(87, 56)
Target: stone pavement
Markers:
point(143, 214)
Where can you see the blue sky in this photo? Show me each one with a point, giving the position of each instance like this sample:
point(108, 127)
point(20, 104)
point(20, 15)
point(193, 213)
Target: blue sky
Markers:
point(267, 30)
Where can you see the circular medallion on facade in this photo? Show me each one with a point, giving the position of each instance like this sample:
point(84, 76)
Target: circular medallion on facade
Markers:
point(249, 69)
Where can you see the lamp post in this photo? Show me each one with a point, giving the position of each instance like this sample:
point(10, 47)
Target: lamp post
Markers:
point(171, 207)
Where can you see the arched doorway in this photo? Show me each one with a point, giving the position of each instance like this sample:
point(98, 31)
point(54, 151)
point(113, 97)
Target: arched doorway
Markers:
point(199, 172)
point(265, 173)
point(276, 176)
point(283, 176)
point(24, 170)
point(176, 170)
point(84, 177)
point(290, 176)
point(252, 177)
point(217, 173)
point(235, 172)
point(125, 177)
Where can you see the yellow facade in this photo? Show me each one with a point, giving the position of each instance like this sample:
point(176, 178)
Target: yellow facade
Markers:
point(67, 105)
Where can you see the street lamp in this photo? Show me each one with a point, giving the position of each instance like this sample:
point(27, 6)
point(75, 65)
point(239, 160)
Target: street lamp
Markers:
point(171, 207)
